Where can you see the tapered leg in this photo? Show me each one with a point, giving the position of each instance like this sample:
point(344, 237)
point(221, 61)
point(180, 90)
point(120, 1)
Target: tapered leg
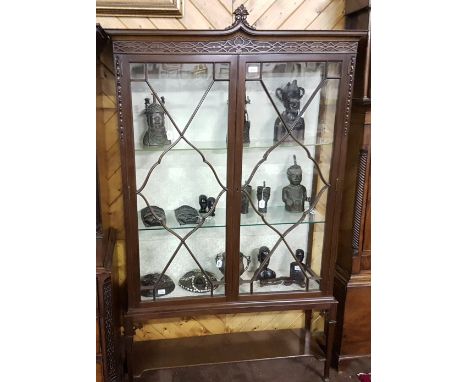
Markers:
point(307, 327)
point(330, 323)
point(129, 331)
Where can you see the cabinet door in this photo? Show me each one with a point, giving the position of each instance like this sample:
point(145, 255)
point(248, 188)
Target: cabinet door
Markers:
point(287, 150)
point(182, 177)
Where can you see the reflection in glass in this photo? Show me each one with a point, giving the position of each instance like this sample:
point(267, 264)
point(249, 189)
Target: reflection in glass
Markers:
point(295, 105)
point(180, 126)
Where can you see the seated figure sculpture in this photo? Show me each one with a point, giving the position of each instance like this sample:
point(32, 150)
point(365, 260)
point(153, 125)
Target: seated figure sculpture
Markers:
point(290, 96)
point(265, 273)
point(295, 194)
point(156, 134)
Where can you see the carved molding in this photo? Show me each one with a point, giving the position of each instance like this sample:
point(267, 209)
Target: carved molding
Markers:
point(359, 200)
point(350, 93)
point(236, 45)
point(110, 345)
point(118, 74)
point(240, 15)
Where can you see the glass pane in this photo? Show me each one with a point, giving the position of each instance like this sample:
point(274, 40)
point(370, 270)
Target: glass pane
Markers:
point(288, 142)
point(180, 121)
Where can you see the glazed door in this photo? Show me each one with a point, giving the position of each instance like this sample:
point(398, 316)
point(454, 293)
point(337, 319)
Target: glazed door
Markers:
point(286, 141)
point(182, 119)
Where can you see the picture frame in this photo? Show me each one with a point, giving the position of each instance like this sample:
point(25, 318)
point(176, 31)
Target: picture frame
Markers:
point(139, 8)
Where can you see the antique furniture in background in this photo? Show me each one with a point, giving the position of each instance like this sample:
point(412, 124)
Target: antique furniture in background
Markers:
point(108, 343)
point(204, 113)
point(353, 269)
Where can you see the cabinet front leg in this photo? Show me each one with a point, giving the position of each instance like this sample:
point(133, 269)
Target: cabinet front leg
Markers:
point(129, 332)
point(330, 323)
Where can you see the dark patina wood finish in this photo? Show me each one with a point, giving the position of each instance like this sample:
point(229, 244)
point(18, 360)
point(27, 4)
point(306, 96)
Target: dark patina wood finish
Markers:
point(237, 45)
point(353, 268)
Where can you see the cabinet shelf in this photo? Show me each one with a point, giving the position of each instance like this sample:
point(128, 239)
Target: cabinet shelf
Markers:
point(274, 216)
point(221, 145)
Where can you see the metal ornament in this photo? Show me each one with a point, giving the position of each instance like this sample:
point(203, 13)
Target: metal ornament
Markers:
point(156, 134)
point(195, 281)
point(203, 201)
point(295, 194)
point(153, 216)
point(210, 205)
point(221, 262)
point(290, 96)
point(187, 215)
point(164, 287)
point(263, 195)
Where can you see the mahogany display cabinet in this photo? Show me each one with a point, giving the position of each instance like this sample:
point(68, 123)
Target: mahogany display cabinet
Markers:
point(233, 147)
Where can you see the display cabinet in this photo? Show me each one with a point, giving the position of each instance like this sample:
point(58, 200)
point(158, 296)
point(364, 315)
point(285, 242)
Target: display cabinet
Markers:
point(232, 146)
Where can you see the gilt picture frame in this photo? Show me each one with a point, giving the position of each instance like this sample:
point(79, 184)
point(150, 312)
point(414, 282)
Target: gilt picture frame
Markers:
point(139, 8)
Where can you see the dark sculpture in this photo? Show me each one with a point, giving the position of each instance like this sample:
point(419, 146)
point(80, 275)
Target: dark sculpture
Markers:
point(156, 134)
point(245, 199)
point(195, 281)
point(187, 215)
point(246, 122)
point(164, 287)
point(266, 273)
point(153, 216)
point(203, 200)
point(295, 194)
point(295, 272)
point(263, 195)
point(211, 203)
point(221, 262)
point(290, 96)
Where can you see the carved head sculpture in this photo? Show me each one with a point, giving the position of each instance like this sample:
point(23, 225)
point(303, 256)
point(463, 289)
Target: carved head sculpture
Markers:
point(300, 254)
point(290, 96)
point(294, 173)
point(263, 253)
point(154, 113)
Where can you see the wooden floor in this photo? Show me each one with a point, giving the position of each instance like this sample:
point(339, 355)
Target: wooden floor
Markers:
point(303, 369)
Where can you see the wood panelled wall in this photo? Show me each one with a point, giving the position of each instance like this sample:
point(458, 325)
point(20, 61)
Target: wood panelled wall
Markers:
point(198, 14)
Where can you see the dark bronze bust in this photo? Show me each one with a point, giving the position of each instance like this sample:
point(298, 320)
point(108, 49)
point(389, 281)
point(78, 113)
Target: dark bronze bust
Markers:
point(295, 270)
point(245, 199)
point(156, 134)
point(266, 273)
point(295, 194)
point(290, 96)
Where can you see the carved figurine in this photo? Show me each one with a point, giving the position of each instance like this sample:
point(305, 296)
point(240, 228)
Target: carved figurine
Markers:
point(187, 215)
point(221, 262)
point(210, 203)
point(295, 272)
point(290, 96)
point(203, 200)
point(246, 122)
point(153, 216)
point(156, 134)
point(245, 199)
point(263, 195)
point(295, 194)
point(195, 281)
point(266, 273)
point(164, 287)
